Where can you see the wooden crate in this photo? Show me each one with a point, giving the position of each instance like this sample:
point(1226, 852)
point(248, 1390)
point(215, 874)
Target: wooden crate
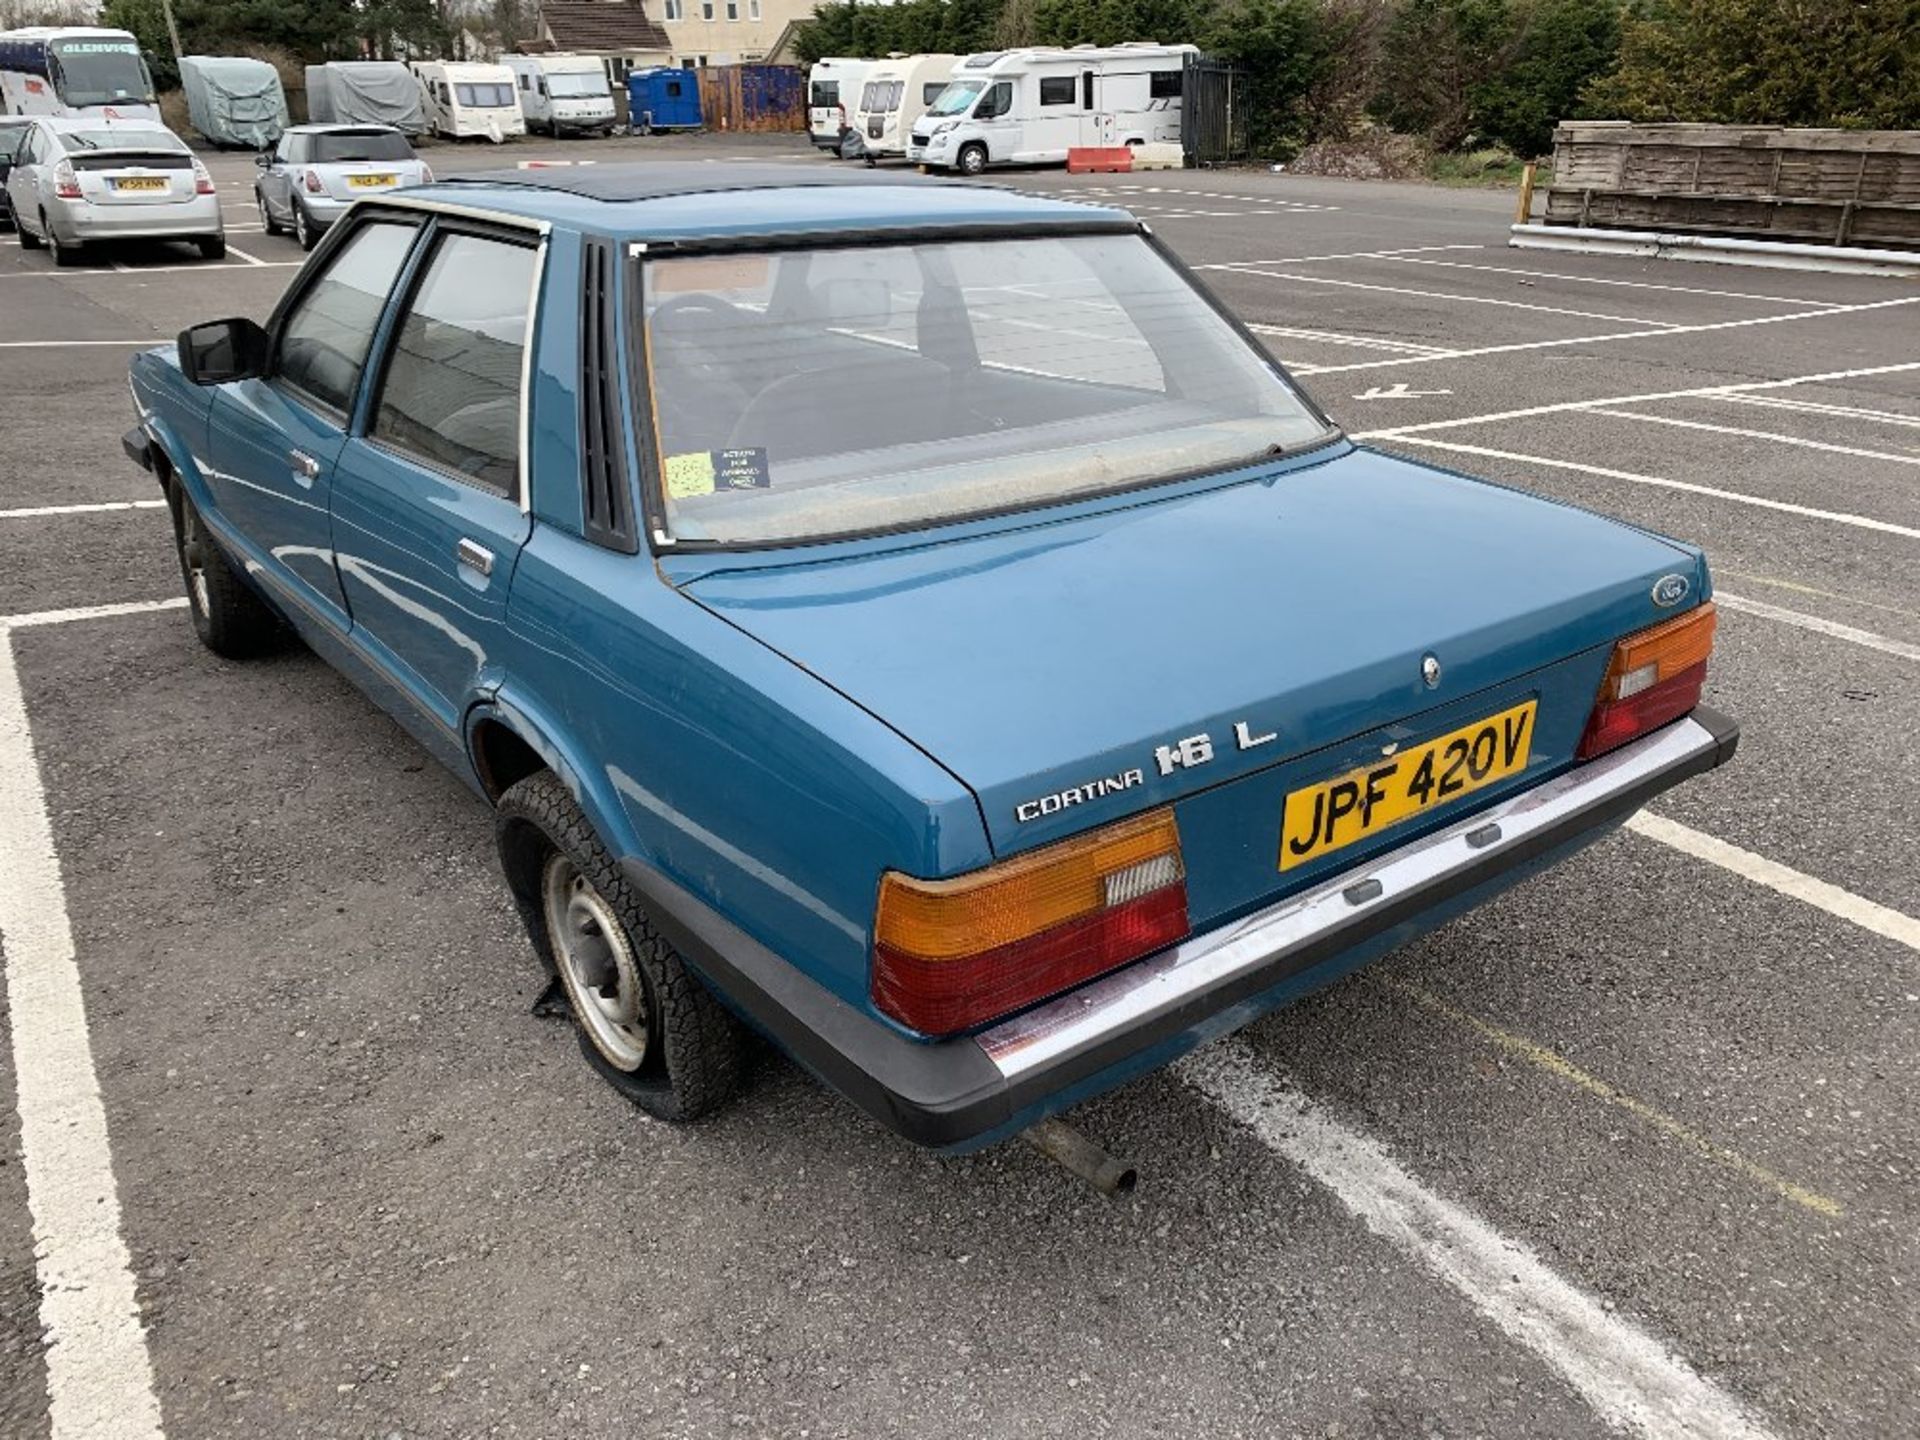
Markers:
point(1850, 187)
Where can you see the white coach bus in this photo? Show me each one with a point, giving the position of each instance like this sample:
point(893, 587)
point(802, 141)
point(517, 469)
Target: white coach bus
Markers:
point(75, 70)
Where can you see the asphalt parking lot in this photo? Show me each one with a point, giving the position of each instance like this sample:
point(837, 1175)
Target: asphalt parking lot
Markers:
point(1632, 1149)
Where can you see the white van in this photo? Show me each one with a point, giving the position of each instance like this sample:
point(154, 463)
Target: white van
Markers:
point(1029, 107)
point(463, 100)
point(832, 88)
point(896, 93)
point(562, 94)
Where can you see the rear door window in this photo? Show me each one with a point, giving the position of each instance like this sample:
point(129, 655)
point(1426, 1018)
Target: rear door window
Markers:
point(325, 337)
point(451, 394)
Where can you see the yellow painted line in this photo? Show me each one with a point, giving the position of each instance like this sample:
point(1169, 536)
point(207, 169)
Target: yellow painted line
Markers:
point(1558, 1065)
point(1720, 570)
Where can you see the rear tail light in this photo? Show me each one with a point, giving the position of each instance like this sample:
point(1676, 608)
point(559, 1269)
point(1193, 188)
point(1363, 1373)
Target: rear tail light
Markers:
point(1655, 676)
point(312, 182)
point(952, 954)
point(66, 184)
point(202, 181)
point(426, 173)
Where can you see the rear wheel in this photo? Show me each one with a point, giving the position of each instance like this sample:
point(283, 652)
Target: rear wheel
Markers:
point(267, 222)
point(303, 230)
point(228, 617)
point(62, 254)
point(212, 247)
point(972, 159)
point(645, 1022)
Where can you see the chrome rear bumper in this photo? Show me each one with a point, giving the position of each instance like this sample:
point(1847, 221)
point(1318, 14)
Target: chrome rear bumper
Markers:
point(1432, 866)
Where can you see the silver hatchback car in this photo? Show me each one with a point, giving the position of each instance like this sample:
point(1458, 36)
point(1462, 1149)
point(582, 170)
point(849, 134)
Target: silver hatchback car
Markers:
point(80, 180)
point(314, 172)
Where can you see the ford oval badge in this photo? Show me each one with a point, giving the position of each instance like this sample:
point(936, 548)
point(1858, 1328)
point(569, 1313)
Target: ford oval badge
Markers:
point(1430, 670)
point(1670, 590)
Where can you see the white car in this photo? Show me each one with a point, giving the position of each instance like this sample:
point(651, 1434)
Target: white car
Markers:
point(314, 172)
point(78, 181)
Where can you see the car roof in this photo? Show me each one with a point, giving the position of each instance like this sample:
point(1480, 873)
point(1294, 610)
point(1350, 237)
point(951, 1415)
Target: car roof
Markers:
point(686, 199)
point(353, 127)
point(61, 124)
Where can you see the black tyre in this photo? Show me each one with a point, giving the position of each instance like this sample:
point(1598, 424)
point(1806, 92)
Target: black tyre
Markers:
point(972, 159)
point(267, 222)
point(212, 247)
point(645, 1022)
point(28, 240)
point(304, 229)
point(228, 617)
point(62, 254)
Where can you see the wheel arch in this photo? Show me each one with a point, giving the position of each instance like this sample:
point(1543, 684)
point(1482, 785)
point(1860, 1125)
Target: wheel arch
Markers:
point(509, 738)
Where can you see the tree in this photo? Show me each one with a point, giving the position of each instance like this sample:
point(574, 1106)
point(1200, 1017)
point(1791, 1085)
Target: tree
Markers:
point(1563, 45)
point(1853, 63)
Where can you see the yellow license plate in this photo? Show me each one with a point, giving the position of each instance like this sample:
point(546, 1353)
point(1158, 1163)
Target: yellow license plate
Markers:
point(135, 182)
point(1335, 813)
point(369, 182)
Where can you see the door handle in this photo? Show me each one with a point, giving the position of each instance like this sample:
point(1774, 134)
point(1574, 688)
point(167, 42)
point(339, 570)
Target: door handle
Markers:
point(474, 556)
point(305, 468)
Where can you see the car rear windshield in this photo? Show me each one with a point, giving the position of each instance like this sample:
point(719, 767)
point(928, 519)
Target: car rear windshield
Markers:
point(120, 137)
point(340, 146)
point(801, 394)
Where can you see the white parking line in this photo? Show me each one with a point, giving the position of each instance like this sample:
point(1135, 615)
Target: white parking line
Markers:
point(38, 618)
point(38, 512)
point(99, 1371)
point(1782, 879)
point(1819, 625)
point(1343, 255)
point(1445, 295)
point(1629, 1378)
point(1814, 407)
point(1839, 517)
point(1774, 436)
point(1334, 337)
point(250, 259)
point(1743, 388)
point(1408, 259)
point(1661, 333)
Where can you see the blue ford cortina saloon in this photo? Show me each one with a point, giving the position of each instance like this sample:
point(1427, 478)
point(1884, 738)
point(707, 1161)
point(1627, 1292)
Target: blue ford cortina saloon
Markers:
point(915, 622)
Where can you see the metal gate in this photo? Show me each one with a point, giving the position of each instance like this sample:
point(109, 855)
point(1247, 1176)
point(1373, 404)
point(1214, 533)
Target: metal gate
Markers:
point(1213, 118)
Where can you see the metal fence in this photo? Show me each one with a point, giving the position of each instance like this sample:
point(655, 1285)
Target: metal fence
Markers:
point(1213, 118)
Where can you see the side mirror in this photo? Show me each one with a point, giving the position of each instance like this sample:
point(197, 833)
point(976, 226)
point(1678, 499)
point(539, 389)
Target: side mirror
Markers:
point(223, 350)
point(263, 159)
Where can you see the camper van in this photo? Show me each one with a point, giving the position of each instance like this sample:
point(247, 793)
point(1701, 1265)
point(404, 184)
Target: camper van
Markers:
point(1029, 107)
point(833, 86)
point(896, 93)
point(467, 100)
point(562, 94)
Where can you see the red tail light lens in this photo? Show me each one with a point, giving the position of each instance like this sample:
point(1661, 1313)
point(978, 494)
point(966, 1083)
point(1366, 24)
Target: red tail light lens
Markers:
point(66, 184)
point(426, 173)
point(1655, 676)
point(202, 181)
point(953, 954)
point(312, 182)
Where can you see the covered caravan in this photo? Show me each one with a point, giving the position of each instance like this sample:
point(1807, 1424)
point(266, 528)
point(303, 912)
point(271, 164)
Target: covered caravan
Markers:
point(233, 100)
point(663, 98)
point(365, 92)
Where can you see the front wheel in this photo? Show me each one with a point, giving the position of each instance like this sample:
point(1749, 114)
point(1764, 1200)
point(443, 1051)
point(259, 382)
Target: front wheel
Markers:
point(267, 222)
point(228, 617)
point(972, 159)
point(303, 230)
point(28, 240)
point(646, 1023)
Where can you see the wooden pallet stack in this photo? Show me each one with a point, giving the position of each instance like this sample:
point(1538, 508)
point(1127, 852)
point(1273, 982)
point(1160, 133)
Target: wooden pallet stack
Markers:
point(1844, 187)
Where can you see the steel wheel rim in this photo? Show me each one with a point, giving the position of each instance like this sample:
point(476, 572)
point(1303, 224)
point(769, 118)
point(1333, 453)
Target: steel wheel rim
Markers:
point(596, 965)
point(193, 557)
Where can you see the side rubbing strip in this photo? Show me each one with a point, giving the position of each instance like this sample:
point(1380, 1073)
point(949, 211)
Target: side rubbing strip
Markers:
point(606, 497)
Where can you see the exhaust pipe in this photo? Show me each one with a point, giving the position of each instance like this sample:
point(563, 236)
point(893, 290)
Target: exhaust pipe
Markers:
point(1071, 1150)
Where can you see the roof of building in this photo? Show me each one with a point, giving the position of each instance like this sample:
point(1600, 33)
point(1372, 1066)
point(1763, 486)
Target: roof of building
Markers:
point(683, 200)
point(618, 27)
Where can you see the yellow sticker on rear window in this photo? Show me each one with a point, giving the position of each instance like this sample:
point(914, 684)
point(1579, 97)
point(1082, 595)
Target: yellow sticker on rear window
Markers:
point(689, 475)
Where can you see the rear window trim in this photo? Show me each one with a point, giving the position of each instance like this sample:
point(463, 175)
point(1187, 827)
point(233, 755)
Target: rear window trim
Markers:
point(652, 486)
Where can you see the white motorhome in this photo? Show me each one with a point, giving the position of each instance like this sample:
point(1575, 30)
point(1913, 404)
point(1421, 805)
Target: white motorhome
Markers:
point(896, 93)
point(832, 88)
point(1029, 107)
point(465, 100)
point(562, 94)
